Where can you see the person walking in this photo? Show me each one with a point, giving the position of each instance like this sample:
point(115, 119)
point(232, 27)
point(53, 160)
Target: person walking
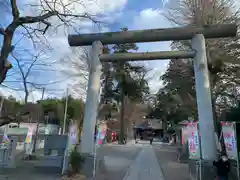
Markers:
point(223, 167)
point(135, 135)
point(151, 137)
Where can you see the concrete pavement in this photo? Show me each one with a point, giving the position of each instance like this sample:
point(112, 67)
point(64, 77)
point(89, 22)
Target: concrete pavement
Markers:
point(129, 162)
point(172, 169)
point(116, 160)
point(145, 166)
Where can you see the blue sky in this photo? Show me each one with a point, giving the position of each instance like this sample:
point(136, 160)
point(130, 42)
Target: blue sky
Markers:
point(133, 9)
point(117, 14)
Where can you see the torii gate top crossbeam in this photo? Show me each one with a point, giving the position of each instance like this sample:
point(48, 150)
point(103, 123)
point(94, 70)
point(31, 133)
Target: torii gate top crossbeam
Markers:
point(153, 35)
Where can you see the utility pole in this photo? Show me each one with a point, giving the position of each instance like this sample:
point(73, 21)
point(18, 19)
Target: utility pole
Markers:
point(38, 118)
point(1, 105)
point(65, 113)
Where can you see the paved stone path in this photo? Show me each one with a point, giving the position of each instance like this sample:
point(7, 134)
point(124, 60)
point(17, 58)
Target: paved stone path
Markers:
point(117, 160)
point(145, 166)
point(172, 169)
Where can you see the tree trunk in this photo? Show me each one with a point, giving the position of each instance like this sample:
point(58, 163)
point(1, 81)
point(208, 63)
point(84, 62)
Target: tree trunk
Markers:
point(1, 105)
point(26, 97)
point(6, 50)
point(122, 130)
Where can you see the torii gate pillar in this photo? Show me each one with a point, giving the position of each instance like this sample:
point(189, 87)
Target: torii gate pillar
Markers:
point(87, 146)
point(204, 100)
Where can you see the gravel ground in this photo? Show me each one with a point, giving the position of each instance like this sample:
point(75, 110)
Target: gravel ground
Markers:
point(167, 158)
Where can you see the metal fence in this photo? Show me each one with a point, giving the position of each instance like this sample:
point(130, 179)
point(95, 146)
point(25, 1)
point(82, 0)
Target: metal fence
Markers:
point(18, 148)
point(4, 156)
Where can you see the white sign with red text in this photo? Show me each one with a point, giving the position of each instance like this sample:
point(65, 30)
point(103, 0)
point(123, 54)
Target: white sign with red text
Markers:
point(230, 141)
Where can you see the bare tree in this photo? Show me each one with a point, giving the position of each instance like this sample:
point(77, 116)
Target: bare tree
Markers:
point(222, 53)
point(75, 67)
point(25, 68)
point(37, 24)
point(26, 75)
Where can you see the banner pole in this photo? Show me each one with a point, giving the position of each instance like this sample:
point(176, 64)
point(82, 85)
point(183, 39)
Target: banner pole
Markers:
point(198, 159)
point(220, 139)
point(238, 173)
point(200, 169)
point(95, 161)
point(235, 133)
point(95, 151)
point(197, 170)
point(200, 149)
point(65, 158)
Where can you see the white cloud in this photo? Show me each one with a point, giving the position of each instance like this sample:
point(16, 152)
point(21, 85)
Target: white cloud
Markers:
point(94, 7)
point(237, 5)
point(152, 19)
point(6, 92)
point(107, 10)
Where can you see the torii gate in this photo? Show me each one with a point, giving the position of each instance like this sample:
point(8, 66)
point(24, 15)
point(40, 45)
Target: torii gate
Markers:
point(196, 34)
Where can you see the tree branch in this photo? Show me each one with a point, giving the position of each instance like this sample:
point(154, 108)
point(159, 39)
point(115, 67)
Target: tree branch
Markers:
point(15, 11)
point(51, 10)
point(35, 19)
point(2, 31)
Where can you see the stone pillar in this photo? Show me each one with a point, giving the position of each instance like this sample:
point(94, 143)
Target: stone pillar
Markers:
point(204, 103)
point(91, 108)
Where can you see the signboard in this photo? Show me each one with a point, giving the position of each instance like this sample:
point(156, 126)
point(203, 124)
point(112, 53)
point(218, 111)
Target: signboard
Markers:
point(28, 140)
point(229, 136)
point(72, 138)
point(193, 141)
point(5, 141)
point(29, 135)
point(73, 135)
point(71, 143)
point(185, 135)
point(102, 131)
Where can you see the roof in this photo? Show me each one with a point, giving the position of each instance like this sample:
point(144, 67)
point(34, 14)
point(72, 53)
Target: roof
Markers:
point(143, 125)
point(156, 124)
point(150, 124)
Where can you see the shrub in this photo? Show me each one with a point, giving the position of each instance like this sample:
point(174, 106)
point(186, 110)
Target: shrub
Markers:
point(76, 160)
